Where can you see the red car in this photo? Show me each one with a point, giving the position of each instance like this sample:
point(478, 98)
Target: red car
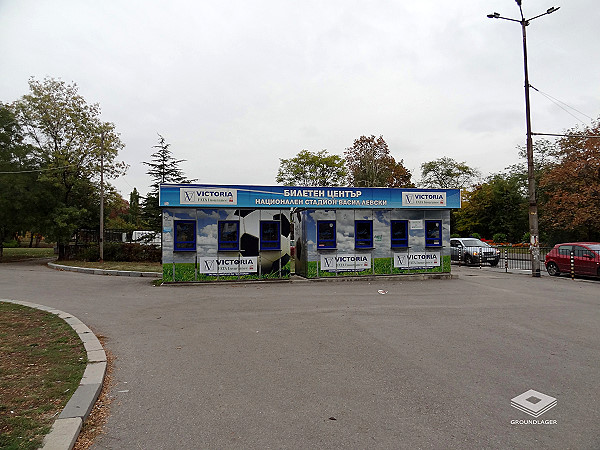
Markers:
point(586, 258)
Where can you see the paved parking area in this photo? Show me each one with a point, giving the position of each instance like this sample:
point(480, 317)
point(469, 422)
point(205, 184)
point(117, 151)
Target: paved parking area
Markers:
point(430, 364)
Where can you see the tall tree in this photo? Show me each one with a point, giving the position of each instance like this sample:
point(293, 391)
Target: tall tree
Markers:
point(446, 173)
point(572, 186)
point(70, 139)
point(117, 211)
point(495, 206)
point(545, 156)
point(68, 134)
point(163, 168)
point(312, 169)
point(371, 165)
point(134, 208)
point(19, 194)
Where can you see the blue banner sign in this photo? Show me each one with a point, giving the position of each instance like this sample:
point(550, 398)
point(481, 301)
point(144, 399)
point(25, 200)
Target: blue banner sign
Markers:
point(243, 196)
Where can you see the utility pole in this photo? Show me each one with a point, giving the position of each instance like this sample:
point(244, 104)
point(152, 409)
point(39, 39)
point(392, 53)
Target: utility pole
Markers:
point(534, 235)
point(101, 241)
point(534, 242)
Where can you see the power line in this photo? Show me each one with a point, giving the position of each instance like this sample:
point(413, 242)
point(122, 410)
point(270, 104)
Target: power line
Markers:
point(567, 135)
point(558, 103)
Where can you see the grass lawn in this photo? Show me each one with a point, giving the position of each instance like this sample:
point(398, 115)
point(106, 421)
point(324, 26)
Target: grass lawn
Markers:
point(21, 253)
point(41, 366)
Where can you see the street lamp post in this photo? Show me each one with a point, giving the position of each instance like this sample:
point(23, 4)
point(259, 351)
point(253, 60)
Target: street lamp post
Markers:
point(533, 215)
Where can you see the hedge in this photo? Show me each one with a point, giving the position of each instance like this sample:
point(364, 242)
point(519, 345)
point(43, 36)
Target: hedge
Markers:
point(114, 251)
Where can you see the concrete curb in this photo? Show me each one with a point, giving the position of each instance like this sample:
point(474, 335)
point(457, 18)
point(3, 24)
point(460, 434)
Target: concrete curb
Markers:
point(66, 428)
point(296, 279)
point(117, 273)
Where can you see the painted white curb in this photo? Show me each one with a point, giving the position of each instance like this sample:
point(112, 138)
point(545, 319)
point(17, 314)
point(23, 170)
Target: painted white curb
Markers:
point(118, 273)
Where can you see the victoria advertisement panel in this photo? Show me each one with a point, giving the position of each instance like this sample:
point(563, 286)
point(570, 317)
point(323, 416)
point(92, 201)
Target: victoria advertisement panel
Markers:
point(228, 266)
point(417, 260)
point(345, 263)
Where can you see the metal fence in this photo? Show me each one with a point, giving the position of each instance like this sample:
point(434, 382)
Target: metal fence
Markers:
point(570, 259)
point(520, 257)
point(502, 257)
point(83, 237)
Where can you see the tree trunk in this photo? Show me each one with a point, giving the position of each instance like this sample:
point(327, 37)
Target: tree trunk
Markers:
point(61, 250)
point(2, 236)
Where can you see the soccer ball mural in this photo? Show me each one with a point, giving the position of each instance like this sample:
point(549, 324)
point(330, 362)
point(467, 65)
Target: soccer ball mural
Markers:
point(250, 237)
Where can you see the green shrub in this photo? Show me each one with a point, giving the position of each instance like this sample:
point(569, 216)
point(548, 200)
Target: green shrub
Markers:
point(115, 251)
point(499, 237)
point(86, 253)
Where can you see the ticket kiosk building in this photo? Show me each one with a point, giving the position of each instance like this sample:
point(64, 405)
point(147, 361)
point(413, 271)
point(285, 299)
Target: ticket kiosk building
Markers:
point(215, 232)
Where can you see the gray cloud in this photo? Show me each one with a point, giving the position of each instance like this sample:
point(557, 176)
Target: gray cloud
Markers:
point(235, 86)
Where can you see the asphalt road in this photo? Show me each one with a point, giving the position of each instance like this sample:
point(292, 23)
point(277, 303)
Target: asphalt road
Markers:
point(430, 364)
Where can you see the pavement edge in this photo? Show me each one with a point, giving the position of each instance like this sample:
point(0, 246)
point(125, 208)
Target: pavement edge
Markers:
point(118, 273)
point(66, 428)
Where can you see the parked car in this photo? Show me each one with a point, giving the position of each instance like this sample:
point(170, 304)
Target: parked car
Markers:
point(472, 251)
point(586, 258)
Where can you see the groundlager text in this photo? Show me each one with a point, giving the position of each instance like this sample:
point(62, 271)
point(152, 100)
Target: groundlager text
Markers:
point(532, 422)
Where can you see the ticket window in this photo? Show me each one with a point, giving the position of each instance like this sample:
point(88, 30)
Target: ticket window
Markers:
point(433, 233)
point(229, 235)
point(399, 233)
point(363, 234)
point(326, 234)
point(185, 236)
point(270, 235)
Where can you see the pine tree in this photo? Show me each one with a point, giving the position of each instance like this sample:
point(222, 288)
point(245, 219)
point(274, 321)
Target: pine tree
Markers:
point(134, 208)
point(163, 168)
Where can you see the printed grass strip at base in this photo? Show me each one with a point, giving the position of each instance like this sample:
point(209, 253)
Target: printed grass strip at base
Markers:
point(381, 266)
point(187, 272)
point(44, 363)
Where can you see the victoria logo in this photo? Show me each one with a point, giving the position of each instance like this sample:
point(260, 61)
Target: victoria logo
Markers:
point(424, 198)
point(207, 196)
point(533, 403)
point(210, 265)
point(328, 262)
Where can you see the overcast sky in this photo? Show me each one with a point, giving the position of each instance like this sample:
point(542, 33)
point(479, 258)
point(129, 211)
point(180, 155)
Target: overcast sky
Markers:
point(234, 85)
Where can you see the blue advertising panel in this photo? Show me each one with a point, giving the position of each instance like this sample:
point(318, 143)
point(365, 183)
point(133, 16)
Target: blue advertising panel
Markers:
point(243, 196)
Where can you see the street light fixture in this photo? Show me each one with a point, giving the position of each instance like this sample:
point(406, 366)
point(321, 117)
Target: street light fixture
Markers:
point(533, 215)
